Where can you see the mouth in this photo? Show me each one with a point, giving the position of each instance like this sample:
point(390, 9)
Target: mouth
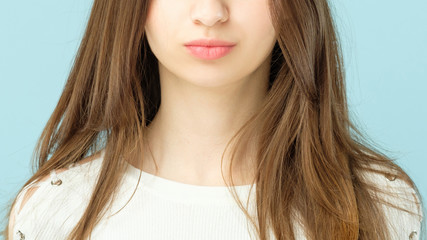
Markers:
point(209, 52)
point(209, 49)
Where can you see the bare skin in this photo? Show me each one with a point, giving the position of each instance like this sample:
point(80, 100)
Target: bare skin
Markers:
point(204, 102)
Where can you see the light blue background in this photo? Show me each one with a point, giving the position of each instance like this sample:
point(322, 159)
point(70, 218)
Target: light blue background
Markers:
point(385, 55)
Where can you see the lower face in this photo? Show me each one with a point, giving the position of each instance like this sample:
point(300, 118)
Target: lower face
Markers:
point(172, 23)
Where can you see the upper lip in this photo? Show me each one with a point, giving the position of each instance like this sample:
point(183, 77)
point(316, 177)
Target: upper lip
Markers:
point(209, 42)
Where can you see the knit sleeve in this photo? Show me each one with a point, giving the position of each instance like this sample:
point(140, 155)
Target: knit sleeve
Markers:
point(56, 205)
point(26, 193)
point(404, 222)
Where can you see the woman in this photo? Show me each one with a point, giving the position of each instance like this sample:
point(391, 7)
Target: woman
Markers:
point(163, 94)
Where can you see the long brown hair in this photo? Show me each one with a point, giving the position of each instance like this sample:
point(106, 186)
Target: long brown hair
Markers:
point(310, 157)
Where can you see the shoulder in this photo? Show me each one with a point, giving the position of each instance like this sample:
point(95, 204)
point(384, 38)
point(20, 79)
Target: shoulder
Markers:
point(62, 189)
point(84, 171)
point(70, 178)
point(87, 164)
point(400, 202)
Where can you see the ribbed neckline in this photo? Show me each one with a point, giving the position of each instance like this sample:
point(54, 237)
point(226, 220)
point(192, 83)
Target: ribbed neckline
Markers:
point(187, 193)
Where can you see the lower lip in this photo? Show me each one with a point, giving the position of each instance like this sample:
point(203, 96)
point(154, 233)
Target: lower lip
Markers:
point(209, 53)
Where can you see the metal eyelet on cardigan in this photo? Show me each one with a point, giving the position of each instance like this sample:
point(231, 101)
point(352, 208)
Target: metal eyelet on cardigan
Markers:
point(413, 235)
point(20, 235)
point(391, 177)
point(54, 180)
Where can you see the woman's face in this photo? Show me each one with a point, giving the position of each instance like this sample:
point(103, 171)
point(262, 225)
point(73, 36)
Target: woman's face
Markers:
point(171, 24)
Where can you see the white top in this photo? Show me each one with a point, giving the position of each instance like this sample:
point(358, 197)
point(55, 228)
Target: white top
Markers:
point(160, 209)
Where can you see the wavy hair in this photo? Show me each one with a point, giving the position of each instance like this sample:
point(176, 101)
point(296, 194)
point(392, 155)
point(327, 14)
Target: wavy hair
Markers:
point(310, 156)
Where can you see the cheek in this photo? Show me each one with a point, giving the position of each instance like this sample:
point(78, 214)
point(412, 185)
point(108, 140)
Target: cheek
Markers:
point(262, 23)
point(263, 28)
point(161, 21)
point(257, 23)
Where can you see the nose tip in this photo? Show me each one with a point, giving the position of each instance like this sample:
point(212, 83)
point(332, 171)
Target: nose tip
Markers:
point(210, 21)
point(209, 12)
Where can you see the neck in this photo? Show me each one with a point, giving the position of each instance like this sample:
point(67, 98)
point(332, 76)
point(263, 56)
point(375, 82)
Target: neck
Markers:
point(194, 123)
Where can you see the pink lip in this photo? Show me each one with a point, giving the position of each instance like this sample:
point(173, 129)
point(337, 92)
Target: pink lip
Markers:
point(210, 43)
point(209, 49)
